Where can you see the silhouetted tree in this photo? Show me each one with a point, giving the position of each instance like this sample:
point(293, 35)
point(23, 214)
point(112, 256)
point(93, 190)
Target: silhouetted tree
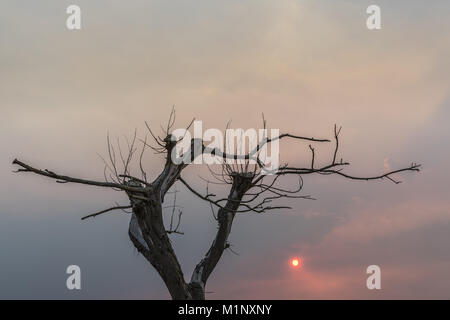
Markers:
point(249, 190)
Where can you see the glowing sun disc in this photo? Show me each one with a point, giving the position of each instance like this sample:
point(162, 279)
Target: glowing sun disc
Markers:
point(295, 262)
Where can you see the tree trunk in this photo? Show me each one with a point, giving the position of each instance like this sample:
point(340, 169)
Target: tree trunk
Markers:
point(225, 217)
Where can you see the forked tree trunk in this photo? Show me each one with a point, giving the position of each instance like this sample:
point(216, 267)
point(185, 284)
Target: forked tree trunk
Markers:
point(148, 234)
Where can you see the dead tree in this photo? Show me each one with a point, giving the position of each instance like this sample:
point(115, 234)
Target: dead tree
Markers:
point(248, 191)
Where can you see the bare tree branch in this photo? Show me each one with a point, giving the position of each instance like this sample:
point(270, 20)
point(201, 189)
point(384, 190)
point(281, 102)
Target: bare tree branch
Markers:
point(106, 210)
point(51, 174)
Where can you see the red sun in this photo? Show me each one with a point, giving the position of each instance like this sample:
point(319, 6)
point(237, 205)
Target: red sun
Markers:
point(295, 262)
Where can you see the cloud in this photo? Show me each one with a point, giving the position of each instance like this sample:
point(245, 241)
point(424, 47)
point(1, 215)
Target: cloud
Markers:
point(377, 222)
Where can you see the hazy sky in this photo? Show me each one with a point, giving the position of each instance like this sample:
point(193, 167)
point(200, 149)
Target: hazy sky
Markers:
point(305, 64)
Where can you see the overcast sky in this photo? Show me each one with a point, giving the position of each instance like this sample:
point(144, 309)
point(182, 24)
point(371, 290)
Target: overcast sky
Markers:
point(305, 64)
